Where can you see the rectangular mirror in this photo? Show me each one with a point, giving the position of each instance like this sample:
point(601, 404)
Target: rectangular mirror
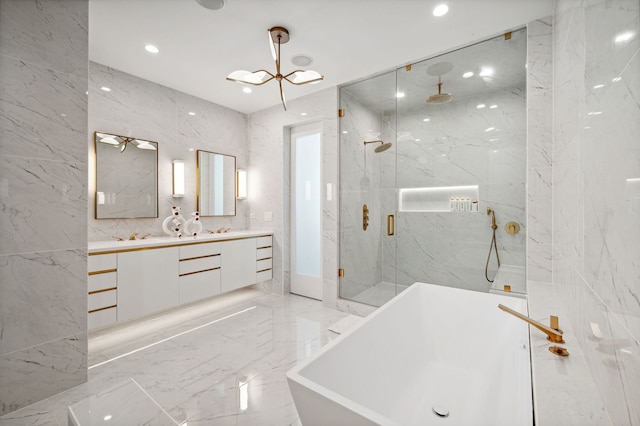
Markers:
point(216, 184)
point(126, 184)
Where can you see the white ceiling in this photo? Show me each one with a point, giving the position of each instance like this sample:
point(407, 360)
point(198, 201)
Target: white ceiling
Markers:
point(348, 39)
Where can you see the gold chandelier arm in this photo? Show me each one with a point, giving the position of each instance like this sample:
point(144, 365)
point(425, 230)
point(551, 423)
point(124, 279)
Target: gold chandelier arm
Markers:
point(284, 102)
point(286, 77)
point(271, 77)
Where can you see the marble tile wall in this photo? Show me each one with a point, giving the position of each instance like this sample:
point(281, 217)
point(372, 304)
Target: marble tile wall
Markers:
point(268, 182)
point(149, 111)
point(43, 202)
point(596, 178)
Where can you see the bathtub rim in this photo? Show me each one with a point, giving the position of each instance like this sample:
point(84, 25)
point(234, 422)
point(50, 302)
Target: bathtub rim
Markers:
point(293, 374)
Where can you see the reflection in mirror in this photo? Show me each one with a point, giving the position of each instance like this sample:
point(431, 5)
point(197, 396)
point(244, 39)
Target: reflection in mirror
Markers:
point(216, 184)
point(126, 177)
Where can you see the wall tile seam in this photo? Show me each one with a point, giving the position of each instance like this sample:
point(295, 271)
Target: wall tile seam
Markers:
point(77, 336)
point(84, 76)
point(83, 249)
point(52, 160)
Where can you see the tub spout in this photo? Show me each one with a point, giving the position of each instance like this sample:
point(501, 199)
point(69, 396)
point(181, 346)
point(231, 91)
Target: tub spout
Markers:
point(552, 335)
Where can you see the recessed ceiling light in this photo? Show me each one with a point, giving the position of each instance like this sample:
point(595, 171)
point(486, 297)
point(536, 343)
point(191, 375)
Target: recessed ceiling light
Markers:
point(303, 113)
point(400, 95)
point(151, 48)
point(246, 89)
point(191, 113)
point(467, 74)
point(426, 119)
point(302, 60)
point(486, 72)
point(617, 79)
point(594, 113)
point(440, 10)
point(344, 132)
point(191, 149)
point(63, 115)
point(418, 140)
point(598, 86)
point(105, 89)
point(480, 106)
point(488, 129)
point(494, 106)
point(626, 36)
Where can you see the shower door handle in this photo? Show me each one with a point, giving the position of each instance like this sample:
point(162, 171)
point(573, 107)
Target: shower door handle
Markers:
point(391, 225)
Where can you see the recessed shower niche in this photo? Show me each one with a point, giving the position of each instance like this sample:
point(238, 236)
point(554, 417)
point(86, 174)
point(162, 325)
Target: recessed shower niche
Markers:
point(454, 132)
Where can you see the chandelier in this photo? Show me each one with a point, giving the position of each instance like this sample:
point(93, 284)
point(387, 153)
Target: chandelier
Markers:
point(277, 37)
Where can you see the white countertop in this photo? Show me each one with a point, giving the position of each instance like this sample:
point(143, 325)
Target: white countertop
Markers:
point(113, 245)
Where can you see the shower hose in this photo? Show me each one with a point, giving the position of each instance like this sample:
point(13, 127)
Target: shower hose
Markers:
point(492, 246)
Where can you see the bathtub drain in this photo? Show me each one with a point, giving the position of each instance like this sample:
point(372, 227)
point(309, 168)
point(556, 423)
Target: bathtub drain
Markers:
point(440, 411)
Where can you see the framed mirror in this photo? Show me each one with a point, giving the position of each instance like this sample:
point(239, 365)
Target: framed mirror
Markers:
point(126, 185)
point(216, 184)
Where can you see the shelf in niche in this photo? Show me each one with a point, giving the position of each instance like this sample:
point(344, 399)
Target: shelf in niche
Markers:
point(435, 199)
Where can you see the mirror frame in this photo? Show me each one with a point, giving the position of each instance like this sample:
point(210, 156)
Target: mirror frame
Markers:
point(95, 178)
point(235, 174)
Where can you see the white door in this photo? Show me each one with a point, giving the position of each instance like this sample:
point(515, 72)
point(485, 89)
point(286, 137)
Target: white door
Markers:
point(306, 211)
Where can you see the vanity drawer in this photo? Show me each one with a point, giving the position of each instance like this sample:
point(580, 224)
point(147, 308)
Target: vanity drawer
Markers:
point(263, 242)
point(263, 253)
point(102, 299)
point(200, 264)
point(261, 265)
point(102, 281)
point(199, 285)
point(102, 262)
point(199, 250)
point(102, 318)
point(264, 275)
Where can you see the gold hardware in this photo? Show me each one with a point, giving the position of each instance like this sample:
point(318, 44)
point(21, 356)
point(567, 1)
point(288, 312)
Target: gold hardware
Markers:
point(118, 238)
point(391, 225)
point(198, 272)
point(102, 309)
point(97, 253)
point(554, 323)
point(365, 217)
point(507, 288)
point(512, 227)
point(102, 290)
point(199, 257)
point(133, 236)
point(493, 218)
point(507, 36)
point(341, 273)
point(552, 335)
point(104, 271)
point(144, 236)
point(341, 112)
point(558, 350)
point(263, 270)
point(408, 67)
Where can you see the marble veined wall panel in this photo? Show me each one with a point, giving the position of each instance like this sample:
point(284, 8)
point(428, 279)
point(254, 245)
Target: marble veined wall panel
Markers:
point(146, 110)
point(43, 202)
point(596, 173)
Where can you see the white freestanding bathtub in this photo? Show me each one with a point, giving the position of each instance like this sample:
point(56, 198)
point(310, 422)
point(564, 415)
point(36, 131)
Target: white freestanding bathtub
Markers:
point(429, 349)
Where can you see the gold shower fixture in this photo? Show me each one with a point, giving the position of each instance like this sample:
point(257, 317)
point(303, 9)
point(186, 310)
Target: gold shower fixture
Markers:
point(277, 37)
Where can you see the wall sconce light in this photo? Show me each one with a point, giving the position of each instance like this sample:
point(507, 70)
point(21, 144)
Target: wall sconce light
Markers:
point(178, 178)
point(241, 184)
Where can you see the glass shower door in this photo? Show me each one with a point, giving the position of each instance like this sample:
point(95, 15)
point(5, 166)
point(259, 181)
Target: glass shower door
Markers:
point(367, 190)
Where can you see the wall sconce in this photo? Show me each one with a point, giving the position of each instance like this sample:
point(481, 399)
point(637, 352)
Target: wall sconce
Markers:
point(241, 184)
point(178, 178)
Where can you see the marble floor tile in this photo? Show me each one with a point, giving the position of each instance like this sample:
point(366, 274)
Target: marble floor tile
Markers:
point(226, 366)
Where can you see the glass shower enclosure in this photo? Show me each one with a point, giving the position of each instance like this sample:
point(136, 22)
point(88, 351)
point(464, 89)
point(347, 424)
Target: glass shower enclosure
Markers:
point(431, 156)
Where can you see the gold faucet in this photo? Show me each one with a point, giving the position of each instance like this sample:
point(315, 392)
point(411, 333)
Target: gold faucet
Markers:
point(133, 236)
point(552, 334)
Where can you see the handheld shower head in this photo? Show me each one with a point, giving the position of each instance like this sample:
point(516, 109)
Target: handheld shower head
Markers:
point(493, 218)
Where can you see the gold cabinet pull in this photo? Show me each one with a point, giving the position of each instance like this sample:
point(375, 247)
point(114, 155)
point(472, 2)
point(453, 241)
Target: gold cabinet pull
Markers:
point(365, 217)
point(391, 225)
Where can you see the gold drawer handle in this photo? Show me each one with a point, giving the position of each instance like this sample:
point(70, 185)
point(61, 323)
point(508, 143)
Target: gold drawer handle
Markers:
point(391, 225)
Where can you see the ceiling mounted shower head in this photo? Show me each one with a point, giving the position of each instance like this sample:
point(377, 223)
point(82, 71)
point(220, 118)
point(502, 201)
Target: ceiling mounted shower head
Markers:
point(439, 98)
point(383, 145)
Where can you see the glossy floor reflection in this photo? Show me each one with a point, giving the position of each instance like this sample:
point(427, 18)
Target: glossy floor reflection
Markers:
point(222, 368)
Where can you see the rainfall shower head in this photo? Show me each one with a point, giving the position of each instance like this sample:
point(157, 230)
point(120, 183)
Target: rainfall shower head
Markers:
point(439, 98)
point(383, 145)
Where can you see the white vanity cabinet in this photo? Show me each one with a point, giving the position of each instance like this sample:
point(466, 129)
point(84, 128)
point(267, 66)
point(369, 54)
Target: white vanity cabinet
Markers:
point(147, 281)
point(199, 271)
point(238, 263)
point(129, 280)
